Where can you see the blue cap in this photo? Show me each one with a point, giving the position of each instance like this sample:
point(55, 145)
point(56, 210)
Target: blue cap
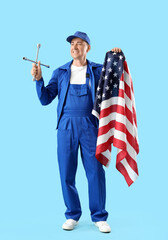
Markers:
point(81, 35)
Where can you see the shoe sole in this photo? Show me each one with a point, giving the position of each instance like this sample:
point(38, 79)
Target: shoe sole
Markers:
point(102, 231)
point(70, 229)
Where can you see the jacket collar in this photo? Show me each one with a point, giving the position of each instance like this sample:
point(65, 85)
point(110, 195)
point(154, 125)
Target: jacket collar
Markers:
point(68, 65)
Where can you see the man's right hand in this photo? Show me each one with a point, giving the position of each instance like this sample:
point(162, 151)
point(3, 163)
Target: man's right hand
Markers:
point(36, 71)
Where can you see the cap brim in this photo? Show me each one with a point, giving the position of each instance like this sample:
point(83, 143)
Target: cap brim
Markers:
point(69, 39)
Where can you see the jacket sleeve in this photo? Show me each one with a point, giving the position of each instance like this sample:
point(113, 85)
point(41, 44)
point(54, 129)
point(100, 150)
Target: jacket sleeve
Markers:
point(99, 70)
point(47, 94)
point(97, 75)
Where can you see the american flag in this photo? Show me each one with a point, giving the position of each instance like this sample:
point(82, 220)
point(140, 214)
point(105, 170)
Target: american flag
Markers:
point(115, 108)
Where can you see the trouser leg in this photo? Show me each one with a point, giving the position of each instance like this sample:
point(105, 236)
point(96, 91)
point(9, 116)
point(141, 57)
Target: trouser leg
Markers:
point(95, 175)
point(67, 150)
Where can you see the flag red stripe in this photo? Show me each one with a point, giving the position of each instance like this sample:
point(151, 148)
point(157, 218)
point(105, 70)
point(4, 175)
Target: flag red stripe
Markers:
point(134, 116)
point(119, 109)
point(123, 171)
point(126, 67)
point(104, 146)
point(106, 128)
point(113, 108)
point(132, 141)
point(119, 144)
point(102, 159)
point(121, 93)
point(127, 90)
point(118, 126)
point(128, 114)
point(132, 163)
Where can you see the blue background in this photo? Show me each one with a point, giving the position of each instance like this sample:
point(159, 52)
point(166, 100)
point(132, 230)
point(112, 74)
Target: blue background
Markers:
point(31, 203)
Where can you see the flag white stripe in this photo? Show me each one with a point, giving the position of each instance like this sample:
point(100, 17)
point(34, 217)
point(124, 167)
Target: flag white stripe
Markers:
point(95, 113)
point(127, 79)
point(129, 127)
point(118, 135)
point(131, 151)
point(104, 137)
point(132, 174)
point(107, 154)
point(128, 102)
point(112, 132)
point(112, 101)
point(104, 121)
point(119, 118)
point(121, 85)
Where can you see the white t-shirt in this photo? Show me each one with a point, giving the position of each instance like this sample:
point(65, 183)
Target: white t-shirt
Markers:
point(78, 74)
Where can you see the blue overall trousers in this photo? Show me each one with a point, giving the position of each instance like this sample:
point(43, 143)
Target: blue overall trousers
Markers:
point(78, 128)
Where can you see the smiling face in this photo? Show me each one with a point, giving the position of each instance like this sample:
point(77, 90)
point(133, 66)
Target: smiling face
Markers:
point(79, 48)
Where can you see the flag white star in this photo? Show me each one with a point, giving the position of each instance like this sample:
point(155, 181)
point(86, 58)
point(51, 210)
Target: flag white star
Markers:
point(103, 69)
point(110, 92)
point(105, 77)
point(109, 59)
point(115, 63)
point(98, 88)
point(111, 80)
point(99, 96)
point(107, 87)
point(99, 105)
point(120, 57)
point(115, 74)
point(119, 68)
point(114, 53)
point(110, 69)
point(103, 95)
point(115, 85)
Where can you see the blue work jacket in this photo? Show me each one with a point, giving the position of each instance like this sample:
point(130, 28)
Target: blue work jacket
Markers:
point(58, 85)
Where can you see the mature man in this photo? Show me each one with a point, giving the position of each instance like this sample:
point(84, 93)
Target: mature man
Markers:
point(75, 83)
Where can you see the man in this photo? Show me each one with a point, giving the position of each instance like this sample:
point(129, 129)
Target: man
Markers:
point(75, 83)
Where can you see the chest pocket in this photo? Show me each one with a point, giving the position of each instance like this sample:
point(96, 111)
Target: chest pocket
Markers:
point(78, 89)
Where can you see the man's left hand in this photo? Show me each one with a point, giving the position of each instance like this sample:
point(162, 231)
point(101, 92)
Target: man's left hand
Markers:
point(116, 49)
